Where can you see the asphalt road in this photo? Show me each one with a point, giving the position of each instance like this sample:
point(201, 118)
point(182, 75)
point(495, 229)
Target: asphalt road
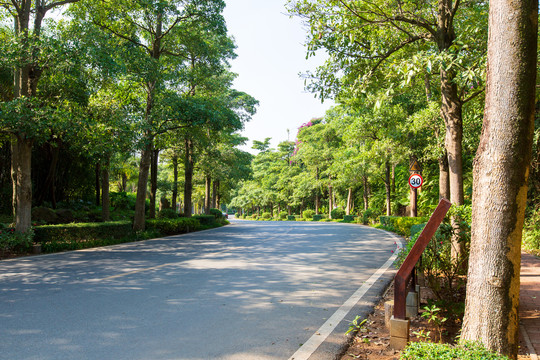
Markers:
point(250, 290)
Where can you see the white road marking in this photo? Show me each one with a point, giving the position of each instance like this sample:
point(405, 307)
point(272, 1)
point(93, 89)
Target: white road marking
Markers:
point(310, 346)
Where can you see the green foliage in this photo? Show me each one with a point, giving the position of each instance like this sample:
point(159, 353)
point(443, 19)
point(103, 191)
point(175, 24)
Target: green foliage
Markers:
point(357, 325)
point(431, 314)
point(531, 232)
point(369, 216)
point(283, 215)
point(266, 216)
point(13, 241)
point(317, 217)
point(308, 214)
point(348, 218)
point(291, 218)
point(167, 214)
point(465, 351)
point(338, 213)
point(443, 274)
point(123, 200)
point(401, 224)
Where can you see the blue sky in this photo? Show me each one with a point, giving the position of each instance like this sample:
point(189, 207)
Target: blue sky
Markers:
point(270, 57)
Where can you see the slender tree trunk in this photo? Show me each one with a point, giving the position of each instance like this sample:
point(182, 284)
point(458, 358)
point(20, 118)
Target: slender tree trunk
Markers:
point(317, 196)
point(349, 201)
point(501, 170)
point(444, 181)
point(105, 198)
point(330, 200)
point(188, 176)
point(175, 182)
point(124, 182)
point(215, 194)
point(207, 194)
point(14, 166)
point(153, 183)
point(388, 188)
point(142, 184)
point(366, 192)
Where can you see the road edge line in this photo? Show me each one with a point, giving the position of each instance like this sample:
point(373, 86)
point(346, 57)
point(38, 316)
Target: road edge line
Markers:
point(309, 347)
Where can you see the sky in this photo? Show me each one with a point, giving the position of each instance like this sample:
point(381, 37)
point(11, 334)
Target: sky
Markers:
point(271, 55)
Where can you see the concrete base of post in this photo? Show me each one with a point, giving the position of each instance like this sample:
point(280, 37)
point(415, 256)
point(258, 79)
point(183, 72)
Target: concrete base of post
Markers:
point(388, 312)
point(399, 333)
point(411, 304)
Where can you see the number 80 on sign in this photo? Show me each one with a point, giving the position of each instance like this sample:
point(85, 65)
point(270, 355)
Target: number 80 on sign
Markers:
point(415, 181)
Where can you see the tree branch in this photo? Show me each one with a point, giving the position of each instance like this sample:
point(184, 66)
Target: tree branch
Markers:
point(103, 26)
point(473, 95)
point(59, 3)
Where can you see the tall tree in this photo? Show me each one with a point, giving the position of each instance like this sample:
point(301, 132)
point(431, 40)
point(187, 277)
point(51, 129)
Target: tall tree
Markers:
point(501, 173)
point(29, 54)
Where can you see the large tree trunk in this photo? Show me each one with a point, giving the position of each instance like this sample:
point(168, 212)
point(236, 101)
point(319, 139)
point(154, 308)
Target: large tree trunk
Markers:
point(105, 198)
point(501, 172)
point(175, 182)
point(140, 201)
point(188, 177)
point(21, 162)
point(153, 183)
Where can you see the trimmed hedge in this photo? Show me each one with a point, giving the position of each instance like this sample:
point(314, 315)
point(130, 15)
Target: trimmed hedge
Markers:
point(291, 218)
point(317, 217)
point(205, 219)
point(82, 231)
point(337, 213)
point(174, 226)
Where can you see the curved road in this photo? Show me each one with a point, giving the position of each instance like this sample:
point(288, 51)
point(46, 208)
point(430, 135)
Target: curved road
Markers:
point(250, 290)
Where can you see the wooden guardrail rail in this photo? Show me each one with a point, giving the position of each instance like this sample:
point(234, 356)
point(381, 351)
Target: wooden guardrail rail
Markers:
point(406, 269)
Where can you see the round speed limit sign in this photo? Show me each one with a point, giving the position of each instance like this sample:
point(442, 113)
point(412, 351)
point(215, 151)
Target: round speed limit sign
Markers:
point(415, 181)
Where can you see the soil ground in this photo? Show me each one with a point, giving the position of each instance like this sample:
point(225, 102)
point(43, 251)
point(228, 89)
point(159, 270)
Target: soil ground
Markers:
point(372, 342)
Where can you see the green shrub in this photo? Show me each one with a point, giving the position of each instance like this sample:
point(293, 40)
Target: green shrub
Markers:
point(14, 241)
point(401, 224)
point(216, 213)
point(369, 216)
point(283, 215)
point(167, 214)
point(465, 351)
point(338, 213)
point(308, 214)
point(175, 226)
point(207, 220)
point(237, 215)
point(531, 232)
point(291, 218)
point(317, 217)
point(122, 200)
point(348, 218)
point(266, 216)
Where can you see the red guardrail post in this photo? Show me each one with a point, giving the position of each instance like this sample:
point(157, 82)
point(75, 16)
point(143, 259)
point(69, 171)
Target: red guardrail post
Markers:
point(405, 271)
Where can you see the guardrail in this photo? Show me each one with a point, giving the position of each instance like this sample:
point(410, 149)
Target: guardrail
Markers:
point(406, 269)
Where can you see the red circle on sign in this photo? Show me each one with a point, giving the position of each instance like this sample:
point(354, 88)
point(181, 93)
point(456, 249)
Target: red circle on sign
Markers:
point(415, 181)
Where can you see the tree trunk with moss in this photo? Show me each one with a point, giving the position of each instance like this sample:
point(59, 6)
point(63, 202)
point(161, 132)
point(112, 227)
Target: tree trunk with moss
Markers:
point(501, 171)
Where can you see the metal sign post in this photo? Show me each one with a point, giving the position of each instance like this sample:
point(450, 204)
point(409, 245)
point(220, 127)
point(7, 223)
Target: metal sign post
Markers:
point(415, 181)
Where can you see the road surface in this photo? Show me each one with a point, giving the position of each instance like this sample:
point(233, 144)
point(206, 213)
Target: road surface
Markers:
point(250, 290)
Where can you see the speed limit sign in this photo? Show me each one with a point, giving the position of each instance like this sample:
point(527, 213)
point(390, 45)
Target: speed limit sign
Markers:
point(415, 181)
